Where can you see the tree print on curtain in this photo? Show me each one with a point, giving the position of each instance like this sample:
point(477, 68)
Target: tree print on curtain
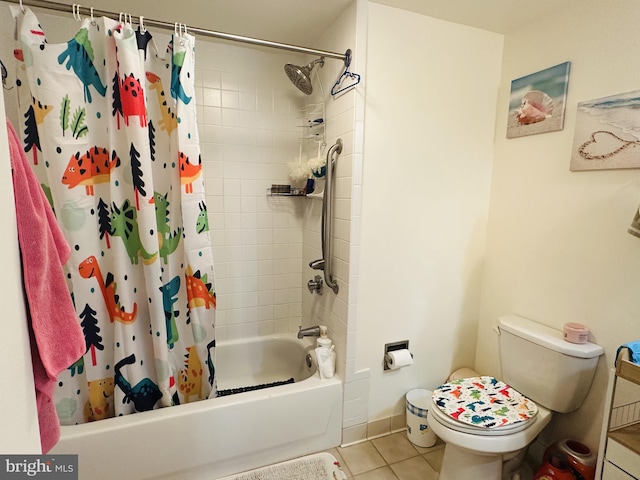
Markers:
point(112, 132)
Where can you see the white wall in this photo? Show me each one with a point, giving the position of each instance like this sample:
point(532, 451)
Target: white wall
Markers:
point(557, 246)
point(430, 111)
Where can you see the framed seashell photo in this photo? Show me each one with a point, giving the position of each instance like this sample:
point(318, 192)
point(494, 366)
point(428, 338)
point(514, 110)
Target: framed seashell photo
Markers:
point(607, 134)
point(537, 102)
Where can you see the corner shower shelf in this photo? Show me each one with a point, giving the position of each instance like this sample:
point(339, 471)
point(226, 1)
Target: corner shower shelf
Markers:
point(295, 192)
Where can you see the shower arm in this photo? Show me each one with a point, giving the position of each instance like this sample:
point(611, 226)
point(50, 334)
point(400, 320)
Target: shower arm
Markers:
point(327, 212)
point(87, 11)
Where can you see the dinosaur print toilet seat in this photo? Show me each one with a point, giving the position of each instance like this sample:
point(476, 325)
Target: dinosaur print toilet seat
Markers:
point(484, 402)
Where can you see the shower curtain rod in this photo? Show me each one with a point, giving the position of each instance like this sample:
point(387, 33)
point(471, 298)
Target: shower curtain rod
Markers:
point(61, 7)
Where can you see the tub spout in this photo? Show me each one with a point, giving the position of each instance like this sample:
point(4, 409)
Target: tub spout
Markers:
point(309, 332)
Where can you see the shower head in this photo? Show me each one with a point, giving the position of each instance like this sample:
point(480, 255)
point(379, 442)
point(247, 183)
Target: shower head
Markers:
point(301, 76)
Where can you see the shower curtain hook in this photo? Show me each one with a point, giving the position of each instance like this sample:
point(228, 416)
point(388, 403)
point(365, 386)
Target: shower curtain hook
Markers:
point(179, 32)
point(22, 7)
point(142, 29)
point(120, 18)
point(93, 20)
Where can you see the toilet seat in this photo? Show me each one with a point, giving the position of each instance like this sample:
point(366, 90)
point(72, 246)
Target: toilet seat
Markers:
point(482, 406)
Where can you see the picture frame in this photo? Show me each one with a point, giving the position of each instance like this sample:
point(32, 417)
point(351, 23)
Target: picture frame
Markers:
point(607, 133)
point(537, 101)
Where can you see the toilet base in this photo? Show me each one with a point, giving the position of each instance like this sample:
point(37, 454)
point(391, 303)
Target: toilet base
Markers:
point(459, 463)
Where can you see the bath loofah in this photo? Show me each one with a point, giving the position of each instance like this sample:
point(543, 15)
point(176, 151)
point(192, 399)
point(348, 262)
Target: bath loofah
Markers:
point(318, 166)
point(299, 172)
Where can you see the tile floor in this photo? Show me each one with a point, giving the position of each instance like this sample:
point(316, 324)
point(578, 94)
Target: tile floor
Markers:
point(392, 457)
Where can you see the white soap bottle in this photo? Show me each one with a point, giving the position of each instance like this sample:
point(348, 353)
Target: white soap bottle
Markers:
point(323, 341)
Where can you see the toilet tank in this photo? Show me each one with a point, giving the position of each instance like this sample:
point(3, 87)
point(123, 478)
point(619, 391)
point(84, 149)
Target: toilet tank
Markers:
point(541, 365)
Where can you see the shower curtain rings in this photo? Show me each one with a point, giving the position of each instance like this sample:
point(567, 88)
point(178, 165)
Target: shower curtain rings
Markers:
point(142, 29)
point(179, 33)
point(76, 12)
point(22, 7)
point(93, 20)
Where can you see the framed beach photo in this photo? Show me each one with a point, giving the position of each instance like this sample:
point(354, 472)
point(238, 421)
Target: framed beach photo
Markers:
point(607, 134)
point(537, 102)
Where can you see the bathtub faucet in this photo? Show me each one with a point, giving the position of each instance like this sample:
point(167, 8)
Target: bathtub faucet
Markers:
point(309, 332)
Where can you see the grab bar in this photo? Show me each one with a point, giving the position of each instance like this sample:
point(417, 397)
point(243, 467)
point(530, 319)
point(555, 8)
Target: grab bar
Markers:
point(327, 211)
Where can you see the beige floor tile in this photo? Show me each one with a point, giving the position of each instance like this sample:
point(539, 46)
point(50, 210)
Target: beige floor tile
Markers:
point(439, 444)
point(395, 448)
point(415, 468)
point(361, 457)
point(435, 459)
point(384, 473)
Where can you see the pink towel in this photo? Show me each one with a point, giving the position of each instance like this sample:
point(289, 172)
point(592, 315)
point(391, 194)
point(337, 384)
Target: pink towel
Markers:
point(56, 337)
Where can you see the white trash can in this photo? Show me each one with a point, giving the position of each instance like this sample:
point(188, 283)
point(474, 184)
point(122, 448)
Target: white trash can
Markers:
point(418, 431)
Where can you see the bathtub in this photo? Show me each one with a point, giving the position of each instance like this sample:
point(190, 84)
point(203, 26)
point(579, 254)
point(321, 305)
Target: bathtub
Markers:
point(224, 435)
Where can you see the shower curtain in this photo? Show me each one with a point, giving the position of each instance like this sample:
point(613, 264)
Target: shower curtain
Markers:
point(110, 126)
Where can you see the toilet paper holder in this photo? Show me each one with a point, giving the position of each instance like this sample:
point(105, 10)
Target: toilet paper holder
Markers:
point(390, 347)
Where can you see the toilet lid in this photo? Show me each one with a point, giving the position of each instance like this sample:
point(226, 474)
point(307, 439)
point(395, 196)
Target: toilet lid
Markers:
point(484, 402)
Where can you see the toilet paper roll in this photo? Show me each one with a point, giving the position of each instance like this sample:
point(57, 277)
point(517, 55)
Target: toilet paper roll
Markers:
point(399, 358)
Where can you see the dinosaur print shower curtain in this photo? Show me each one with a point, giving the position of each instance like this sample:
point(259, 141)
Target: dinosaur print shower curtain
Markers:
point(110, 126)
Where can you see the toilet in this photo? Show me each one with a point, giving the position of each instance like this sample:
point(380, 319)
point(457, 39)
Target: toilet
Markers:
point(486, 421)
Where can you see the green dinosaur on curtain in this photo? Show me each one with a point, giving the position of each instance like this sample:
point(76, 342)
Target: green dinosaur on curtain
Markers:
point(202, 222)
point(168, 243)
point(124, 224)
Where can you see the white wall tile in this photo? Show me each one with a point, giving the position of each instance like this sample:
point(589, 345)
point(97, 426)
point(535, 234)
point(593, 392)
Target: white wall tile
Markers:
point(249, 133)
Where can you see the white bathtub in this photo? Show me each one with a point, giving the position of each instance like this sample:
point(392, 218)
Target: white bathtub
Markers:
point(225, 435)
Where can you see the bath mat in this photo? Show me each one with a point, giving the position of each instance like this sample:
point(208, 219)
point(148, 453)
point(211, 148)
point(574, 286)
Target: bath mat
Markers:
point(232, 391)
point(320, 466)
